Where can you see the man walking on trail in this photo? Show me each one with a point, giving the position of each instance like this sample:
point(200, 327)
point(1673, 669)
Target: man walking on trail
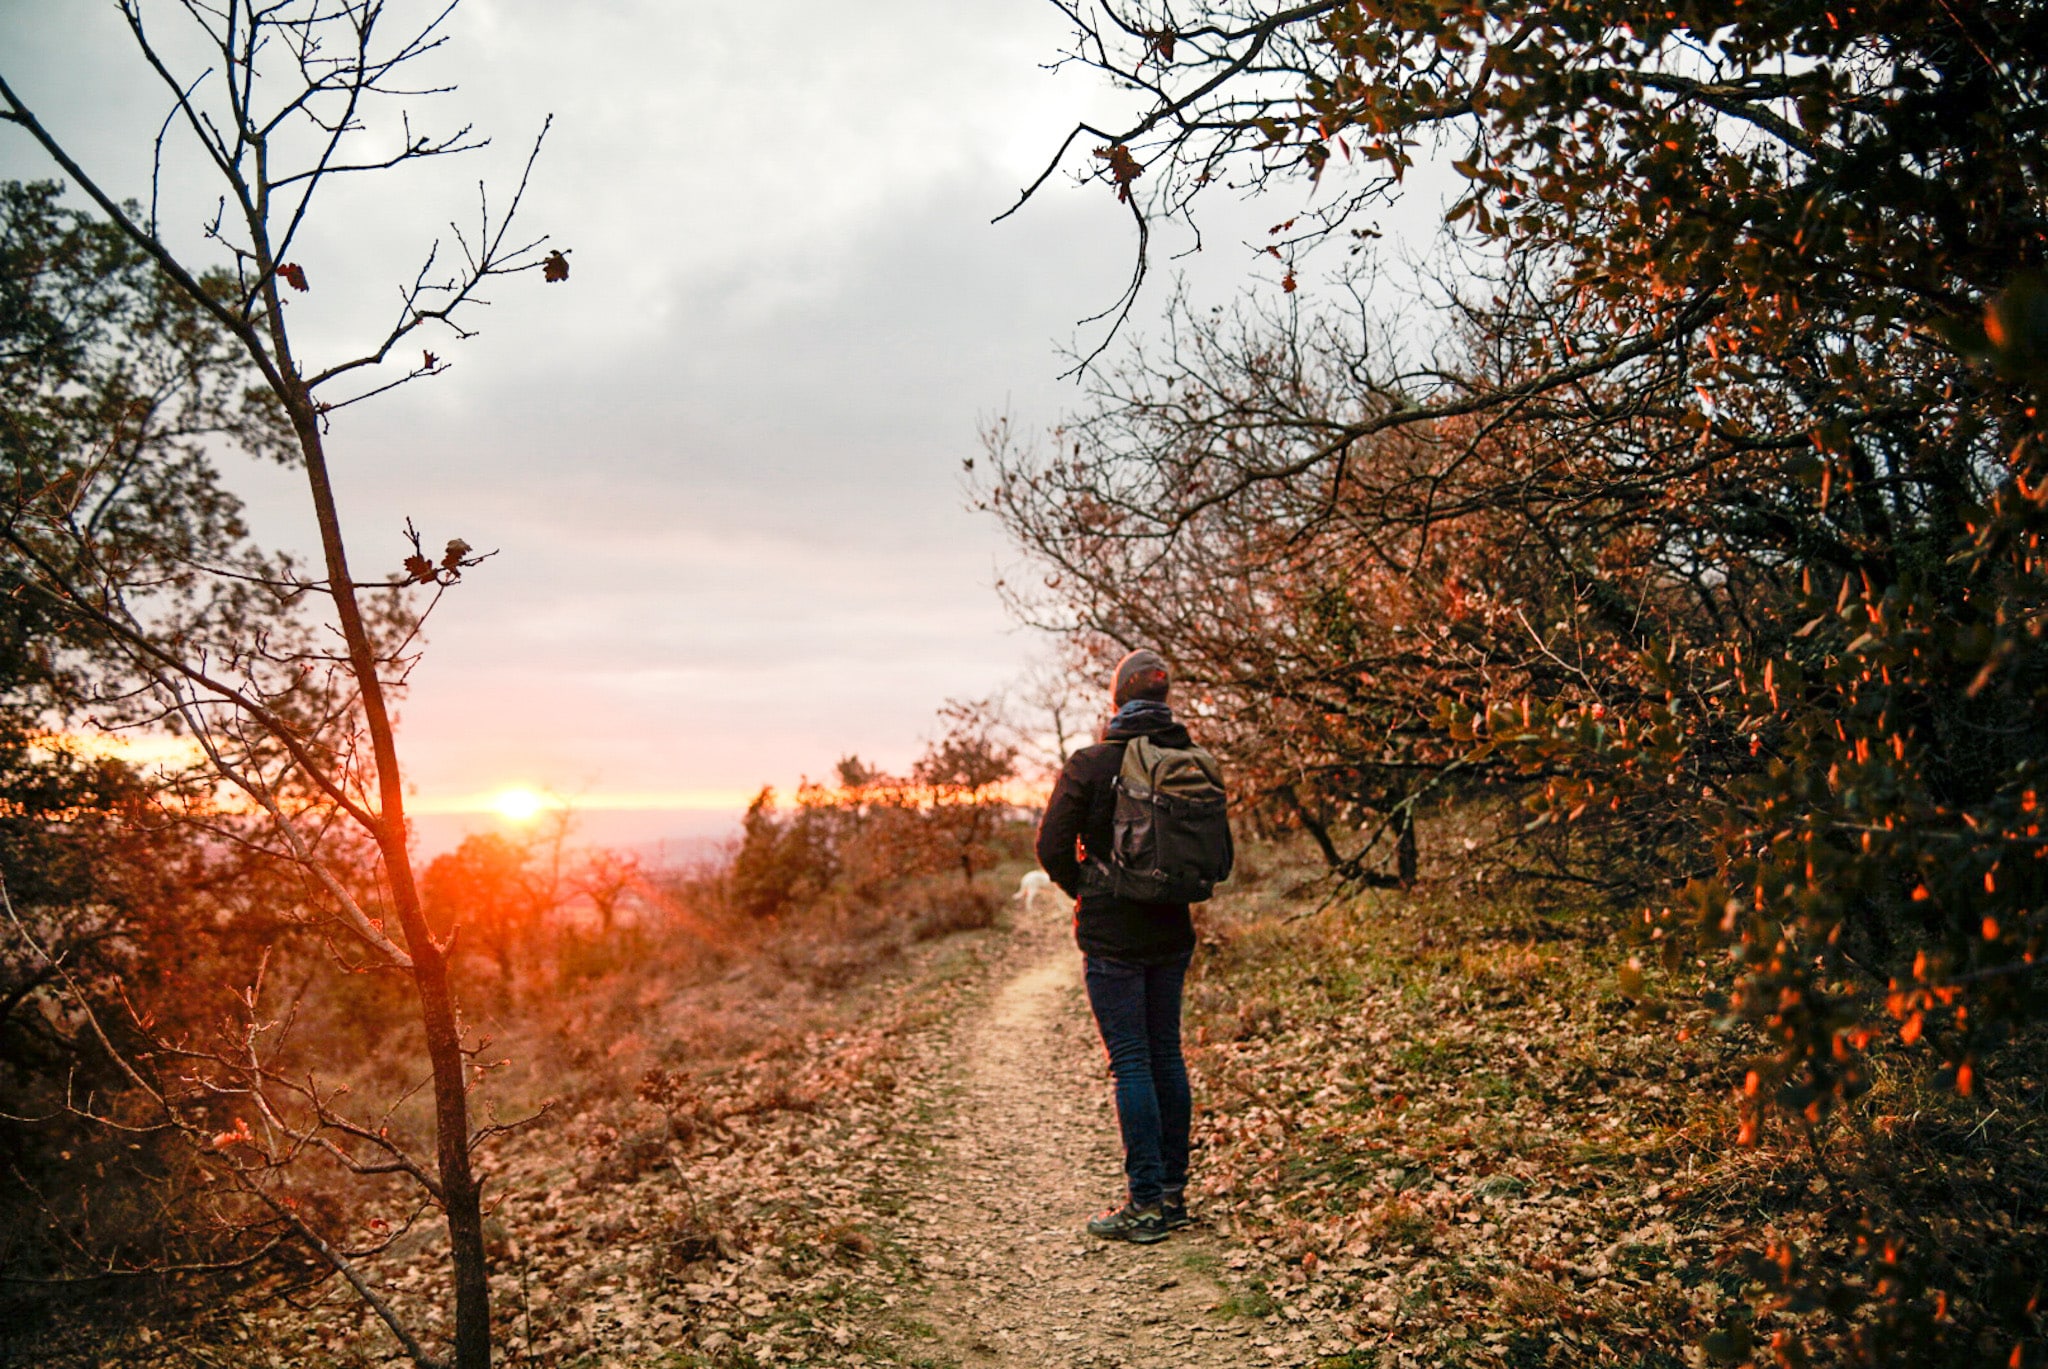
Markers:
point(1136, 952)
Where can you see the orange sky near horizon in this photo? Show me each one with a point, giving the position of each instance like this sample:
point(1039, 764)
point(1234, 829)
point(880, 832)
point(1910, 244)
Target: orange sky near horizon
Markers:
point(517, 802)
point(155, 751)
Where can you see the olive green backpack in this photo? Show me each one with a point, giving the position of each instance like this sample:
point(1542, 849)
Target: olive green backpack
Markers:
point(1170, 835)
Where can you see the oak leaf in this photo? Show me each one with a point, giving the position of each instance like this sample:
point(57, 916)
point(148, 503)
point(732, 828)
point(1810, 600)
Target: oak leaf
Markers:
point(554, 266)
point(1123, 168)
point(294, 275)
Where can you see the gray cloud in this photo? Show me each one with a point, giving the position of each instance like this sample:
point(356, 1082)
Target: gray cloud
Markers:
point(722, 462)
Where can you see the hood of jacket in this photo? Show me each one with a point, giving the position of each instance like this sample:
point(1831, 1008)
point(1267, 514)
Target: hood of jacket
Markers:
point(1145, 718)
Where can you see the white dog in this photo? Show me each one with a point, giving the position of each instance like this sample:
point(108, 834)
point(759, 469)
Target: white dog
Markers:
point(1030, 887)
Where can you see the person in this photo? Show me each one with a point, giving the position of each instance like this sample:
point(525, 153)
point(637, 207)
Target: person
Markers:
point(1135, 957)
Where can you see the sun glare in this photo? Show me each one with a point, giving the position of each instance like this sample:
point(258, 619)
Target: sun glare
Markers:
point(518, 805)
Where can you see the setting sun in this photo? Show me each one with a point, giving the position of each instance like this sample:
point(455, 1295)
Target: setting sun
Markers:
point(519, 805)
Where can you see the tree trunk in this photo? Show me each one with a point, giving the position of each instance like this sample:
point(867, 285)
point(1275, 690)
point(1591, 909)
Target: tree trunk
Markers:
point(460, 1191)
point(1314, 826)
point(1407, 860)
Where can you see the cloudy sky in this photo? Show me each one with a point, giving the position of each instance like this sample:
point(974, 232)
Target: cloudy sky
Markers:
point(721, 465)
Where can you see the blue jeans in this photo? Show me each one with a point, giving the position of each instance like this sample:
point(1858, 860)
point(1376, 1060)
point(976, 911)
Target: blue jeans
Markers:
point(1137, 1009)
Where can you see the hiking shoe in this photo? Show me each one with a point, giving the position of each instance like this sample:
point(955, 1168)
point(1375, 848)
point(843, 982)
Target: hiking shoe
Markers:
point(1174, 1215)
point(1140, 1225)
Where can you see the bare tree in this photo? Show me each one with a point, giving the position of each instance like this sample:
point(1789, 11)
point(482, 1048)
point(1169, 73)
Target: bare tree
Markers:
point(1055, 707)
point(610, 879)
point(289, 97)
point(960, 778)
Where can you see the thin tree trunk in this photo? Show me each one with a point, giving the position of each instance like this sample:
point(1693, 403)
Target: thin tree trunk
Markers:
point(459, 1188)
point(1314, 826)
point(1407, 860)
point(460, 1191)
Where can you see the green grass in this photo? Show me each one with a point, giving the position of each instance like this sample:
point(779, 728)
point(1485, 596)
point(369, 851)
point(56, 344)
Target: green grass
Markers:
point(1432, 1056)
point(1251, 1301)
point(1498, 1088)
point(1642, 1259)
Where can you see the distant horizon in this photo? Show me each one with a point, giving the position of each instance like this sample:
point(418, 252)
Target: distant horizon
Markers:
point(658, 832)
point(658, 835)
point(492, 801)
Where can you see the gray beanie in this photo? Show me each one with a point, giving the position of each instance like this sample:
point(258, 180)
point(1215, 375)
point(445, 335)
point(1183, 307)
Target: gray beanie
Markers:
point(1140, 675)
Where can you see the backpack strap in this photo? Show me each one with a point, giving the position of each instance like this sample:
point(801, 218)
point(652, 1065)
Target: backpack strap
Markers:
point(1140, 767)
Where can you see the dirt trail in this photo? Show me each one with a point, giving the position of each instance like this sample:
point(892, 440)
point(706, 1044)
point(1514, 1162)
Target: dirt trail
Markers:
point(1026, 1156)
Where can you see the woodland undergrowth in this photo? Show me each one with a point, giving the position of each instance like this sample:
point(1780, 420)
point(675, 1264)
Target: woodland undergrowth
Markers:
point(1476, 1128)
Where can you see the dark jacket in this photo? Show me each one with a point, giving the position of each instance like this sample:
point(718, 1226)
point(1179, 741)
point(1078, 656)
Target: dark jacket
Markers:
point(1077, 823)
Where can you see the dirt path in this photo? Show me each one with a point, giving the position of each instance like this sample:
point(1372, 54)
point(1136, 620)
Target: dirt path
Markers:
point(1026, 1156)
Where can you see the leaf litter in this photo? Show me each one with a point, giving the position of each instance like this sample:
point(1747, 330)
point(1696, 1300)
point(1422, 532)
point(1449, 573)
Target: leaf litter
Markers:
point(1429, 1131)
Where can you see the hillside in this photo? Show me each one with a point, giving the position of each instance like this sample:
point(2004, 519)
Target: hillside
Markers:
point(1431, 1130)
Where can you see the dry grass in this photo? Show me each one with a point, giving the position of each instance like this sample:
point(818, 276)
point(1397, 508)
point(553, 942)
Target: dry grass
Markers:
point(692, 1082)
